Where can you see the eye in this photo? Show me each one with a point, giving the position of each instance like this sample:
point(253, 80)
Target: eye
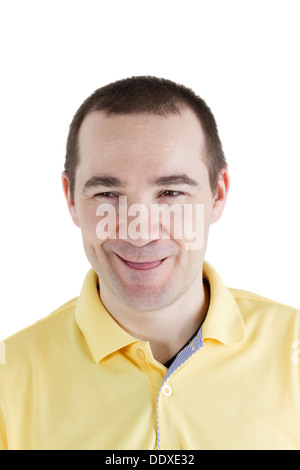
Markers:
point(171, 193)
point(105, 195)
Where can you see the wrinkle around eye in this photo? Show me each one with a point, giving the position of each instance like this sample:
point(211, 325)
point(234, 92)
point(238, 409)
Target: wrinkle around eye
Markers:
point(170, 194)
point(106, 195)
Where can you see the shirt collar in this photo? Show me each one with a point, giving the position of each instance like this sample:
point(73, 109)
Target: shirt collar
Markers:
point(104, 336)
point(223, 321)
point(102, 333)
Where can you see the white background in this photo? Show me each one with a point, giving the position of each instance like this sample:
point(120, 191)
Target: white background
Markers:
point(241, 56)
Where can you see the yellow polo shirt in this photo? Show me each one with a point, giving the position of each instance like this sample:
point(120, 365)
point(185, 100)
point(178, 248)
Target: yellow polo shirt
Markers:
point(77, 380)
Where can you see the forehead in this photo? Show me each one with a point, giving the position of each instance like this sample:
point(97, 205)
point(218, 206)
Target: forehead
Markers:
point(99, 130)
point(139, 142)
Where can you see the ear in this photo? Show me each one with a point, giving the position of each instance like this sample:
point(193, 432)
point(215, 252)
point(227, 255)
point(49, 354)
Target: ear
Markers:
point(69, 199)
point(220, 196)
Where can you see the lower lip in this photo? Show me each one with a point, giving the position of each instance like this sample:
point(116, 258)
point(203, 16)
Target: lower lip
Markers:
point(142, 266)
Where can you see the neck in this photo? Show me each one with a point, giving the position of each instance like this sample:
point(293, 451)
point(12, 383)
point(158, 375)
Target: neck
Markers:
point(167, 329)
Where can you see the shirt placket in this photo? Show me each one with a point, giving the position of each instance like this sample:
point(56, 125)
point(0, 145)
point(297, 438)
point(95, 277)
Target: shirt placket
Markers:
point(166, 390)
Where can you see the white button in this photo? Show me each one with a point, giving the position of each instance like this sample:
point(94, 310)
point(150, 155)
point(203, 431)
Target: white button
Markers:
point(167, 390)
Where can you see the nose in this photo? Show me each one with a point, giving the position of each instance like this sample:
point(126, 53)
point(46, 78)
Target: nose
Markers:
point(136, 225)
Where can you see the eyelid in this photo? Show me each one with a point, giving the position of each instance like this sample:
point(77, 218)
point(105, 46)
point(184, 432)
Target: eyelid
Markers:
point(112, 194)
point(104, 194)
point(179, 193)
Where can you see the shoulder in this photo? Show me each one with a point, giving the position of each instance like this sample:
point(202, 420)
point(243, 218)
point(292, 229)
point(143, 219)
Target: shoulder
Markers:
point(27, 343)
point(256, 306)
point(34, 356)
point(56, 316)
point(252, 297)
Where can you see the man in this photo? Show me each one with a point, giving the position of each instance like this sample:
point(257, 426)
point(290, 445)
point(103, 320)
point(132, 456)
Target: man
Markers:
point(155, 353)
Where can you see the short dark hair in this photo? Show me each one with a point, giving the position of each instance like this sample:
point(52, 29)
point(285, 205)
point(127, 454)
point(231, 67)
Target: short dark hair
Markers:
point(149, 95)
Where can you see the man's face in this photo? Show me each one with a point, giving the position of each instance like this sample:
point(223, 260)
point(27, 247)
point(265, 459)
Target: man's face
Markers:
point(146, 160)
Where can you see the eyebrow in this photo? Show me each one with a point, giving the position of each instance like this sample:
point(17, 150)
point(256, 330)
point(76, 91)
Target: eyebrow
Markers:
point(105, 180)
point(113, 182)
point(174, 179)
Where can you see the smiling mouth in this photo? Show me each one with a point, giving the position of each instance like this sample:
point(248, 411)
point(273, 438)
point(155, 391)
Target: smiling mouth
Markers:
point(144, 265)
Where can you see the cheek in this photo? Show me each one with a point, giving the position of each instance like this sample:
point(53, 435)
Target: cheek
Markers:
point(190, 226)
point(88, 222)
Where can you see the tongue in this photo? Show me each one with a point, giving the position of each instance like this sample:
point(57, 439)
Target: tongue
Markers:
point(151, 265)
